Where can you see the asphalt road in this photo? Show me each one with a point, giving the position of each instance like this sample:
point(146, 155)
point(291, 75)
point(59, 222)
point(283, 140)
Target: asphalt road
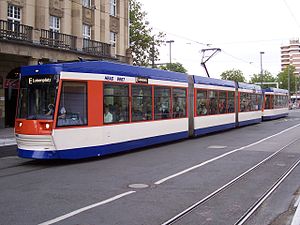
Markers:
point(170, 178)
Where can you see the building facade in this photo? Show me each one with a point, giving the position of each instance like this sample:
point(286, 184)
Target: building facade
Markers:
point(290, 55)
point(43, 31)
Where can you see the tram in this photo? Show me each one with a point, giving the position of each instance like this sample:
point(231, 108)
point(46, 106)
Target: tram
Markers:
point(94, 108)
point(275, 103)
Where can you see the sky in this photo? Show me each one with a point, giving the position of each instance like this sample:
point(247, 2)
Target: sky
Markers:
point(240, 28)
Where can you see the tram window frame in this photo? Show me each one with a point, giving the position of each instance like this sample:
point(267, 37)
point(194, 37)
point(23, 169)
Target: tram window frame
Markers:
point(201, 103)
point(229, 101)
point(224, 107)
point(140, 112)
point(213, 107)
point(254, 102)
point(179, 110)
point(244, 101)
point(269, 99)
point(65, 116)
point(116, 108)
point(162, 111)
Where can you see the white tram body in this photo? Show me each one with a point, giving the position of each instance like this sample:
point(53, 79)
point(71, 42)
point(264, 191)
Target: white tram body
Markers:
point(209, 91)
point(94, 108)
point(250, 104)
point(275, 103)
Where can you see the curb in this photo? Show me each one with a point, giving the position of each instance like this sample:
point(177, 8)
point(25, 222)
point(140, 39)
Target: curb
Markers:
point(296, 218)
point(7, 142)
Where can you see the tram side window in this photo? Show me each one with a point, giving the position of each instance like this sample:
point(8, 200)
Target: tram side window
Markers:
point(286, 101)
point(253, 102)
point(213, 102)
point(280, 101)
point(222, 102)
point(259, 101)
point(231, 101)
point(201, 102)
point(116, 103)
point(73, 104)
point(141, 103)
point(162, 96)
point(179, 102)
point(245, 105)
point(268, 102)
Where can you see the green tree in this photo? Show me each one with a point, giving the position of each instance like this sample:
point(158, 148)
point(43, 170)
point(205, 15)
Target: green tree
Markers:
point(144, 45)
point(282, 78)
point(176, 67)
point(235, 75)
point(266, 77)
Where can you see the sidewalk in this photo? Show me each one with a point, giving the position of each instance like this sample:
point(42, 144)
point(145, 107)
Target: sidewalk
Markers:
point(7, 137)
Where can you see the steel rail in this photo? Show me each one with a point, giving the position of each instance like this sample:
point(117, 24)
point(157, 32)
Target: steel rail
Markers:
point(224, 187)
point(264, 196)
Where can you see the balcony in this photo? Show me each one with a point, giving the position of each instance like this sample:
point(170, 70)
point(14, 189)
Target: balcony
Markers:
point(58, 40)
point(96, 48)
point(20, 36)
point(15, 31)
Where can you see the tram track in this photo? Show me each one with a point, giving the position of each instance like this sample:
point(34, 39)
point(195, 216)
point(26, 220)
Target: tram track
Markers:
point(30, 166)
point(255, 206)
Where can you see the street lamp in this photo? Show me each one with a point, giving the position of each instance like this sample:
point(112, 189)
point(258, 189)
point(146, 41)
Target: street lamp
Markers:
point(170, 42)
point(261, 68)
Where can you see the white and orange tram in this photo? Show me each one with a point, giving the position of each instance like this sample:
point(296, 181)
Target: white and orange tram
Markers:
point(275, 103)
point(94, 108)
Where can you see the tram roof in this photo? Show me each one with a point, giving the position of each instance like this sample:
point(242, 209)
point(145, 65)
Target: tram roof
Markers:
point(213, 81)
point(276, 90)
point(243, 85)
point(104, 67)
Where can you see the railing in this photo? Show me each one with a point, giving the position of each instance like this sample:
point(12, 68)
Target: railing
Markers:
point(15, 31)
point(96, 48)
point(57, 40)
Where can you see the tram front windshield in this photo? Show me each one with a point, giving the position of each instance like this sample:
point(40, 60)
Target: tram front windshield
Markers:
point(37, 97)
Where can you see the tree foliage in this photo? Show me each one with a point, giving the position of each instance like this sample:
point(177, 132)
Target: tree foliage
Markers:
point(266, 77)
point(235, 75)
point(144, 45)
point(282, 78)
point(176, 67)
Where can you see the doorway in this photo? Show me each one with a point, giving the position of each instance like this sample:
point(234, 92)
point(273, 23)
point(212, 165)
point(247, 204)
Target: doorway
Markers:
point(11, 86)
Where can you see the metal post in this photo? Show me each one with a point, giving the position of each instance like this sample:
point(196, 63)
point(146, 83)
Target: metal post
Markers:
point(170, 42)
point(289, 82)
point(153, 52)
point(261, 68)
point(296, 89)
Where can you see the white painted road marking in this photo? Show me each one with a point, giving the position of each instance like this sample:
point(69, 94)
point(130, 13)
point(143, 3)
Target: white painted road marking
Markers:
point(63, 217)
point(221, 156)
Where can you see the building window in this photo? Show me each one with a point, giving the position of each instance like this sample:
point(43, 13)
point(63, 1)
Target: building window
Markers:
point(87, 3)
point(113, 39)
point(86, 31)
point(113, 42)
point(54, 24)
point(73, 104)
point(113, 7)
point(13, 17)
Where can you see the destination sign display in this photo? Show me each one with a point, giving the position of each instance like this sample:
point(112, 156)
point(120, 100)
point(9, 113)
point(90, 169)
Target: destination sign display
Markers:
point(37, 80)
point(141, 80)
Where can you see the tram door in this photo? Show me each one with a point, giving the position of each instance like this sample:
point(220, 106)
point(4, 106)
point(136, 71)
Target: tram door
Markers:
point(11, 86)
